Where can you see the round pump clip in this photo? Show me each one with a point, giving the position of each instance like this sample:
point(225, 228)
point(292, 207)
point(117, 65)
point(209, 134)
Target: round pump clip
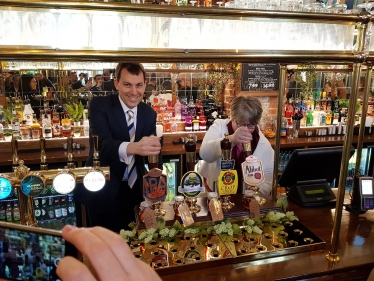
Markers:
point(33, 184)
point(94, 180)
point(5, 186)
point(64, 182)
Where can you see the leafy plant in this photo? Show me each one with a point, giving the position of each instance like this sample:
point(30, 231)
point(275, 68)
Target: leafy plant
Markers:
point(311, 77)
point(74, 111)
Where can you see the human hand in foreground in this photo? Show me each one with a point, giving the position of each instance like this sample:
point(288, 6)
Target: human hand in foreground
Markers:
point(241, 135)
point(109, 255)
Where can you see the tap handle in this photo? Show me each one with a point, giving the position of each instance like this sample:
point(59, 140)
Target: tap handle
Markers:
point(15, 159)
point(95, 140)
point(247, 149)
point(226, 147)
point(70, 163)
point(152, 160)
point(43, 155)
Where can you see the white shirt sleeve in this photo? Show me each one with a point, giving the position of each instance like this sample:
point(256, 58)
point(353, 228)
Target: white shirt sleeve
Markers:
point(123, 157)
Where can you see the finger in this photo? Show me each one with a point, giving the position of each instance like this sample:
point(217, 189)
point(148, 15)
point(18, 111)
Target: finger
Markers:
point(105, 264)
point(71, 269)
point(133, 267)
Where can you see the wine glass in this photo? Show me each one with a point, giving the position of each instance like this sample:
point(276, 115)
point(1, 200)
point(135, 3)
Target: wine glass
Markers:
point(193, 2)
point(220, 4)
point(167, 1)
point(367, 5)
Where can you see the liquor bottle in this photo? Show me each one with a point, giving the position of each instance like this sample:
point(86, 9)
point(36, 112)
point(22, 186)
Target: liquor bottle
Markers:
point(202, 122)
point(16, 213)
point(178, 109)
point(25, 130)
point(35, 128)
point(195, 124)
point(8, 212)
point(56, 126)
point(343, 115)
point(188, 124)
point(199, 107)
point(2, 212)
point(26, 269)
point(309, 118)
point(328, 117)
point(47, 126)
point(64, 207)
point(191, 107)
point(15, 125)
point(18, 106)
point(27, 112)
point(57, 207)
point(66, 126)
point(184, 111)
point(174, 125)
point(336, 111)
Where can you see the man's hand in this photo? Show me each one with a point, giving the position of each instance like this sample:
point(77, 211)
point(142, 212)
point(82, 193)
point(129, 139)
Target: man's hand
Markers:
point(145, 147)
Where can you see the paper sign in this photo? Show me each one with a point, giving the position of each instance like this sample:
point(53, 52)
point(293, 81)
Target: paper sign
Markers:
point(228, 164)
point(215, 209)
point(253, 174)
point(150, 219)
point(185, 213)
point(254, 208)
point(228, 182)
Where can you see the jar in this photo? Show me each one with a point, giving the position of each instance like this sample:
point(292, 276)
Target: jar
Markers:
point(143, 206)
point(248, 196)
point(178, 200)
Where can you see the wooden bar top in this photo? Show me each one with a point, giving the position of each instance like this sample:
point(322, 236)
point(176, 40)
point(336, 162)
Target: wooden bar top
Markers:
point(355, 251)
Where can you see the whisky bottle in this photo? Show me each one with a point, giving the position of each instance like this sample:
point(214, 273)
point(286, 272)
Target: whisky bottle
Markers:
point(15, 125)
point(35, 128)
point(47, 126)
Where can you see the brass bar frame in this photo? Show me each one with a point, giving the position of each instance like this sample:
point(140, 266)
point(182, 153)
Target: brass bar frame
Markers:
point(282, 86)
point(369, 72)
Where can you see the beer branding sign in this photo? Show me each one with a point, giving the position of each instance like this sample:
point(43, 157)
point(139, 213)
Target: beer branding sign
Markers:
point(5, 187)
point(227, 182)
point(64, 182)
point(94, 180)
point(155, 185)
point(32, 185)
point(191, 184)
point(253, 174)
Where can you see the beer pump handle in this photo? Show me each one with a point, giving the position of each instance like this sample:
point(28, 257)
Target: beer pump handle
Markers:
point(15, 158)
point(190, 147)
point(43, 155)
point(70, 163)
point(96, 158)
point(226, 147)
point(247, 149)
point(152, 160)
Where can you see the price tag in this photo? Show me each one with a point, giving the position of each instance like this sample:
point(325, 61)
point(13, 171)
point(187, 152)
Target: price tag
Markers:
point(215, 209)
point(228, 182)
point(186, 215)
point(254, 208)
point(150, 219)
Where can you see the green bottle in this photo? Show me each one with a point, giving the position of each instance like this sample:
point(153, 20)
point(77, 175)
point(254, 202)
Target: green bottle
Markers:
point(309, 118)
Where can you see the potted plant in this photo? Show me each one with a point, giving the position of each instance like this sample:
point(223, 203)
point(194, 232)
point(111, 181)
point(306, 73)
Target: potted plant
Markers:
point(75, 113)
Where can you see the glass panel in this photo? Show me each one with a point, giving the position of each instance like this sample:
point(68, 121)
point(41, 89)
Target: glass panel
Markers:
point(76, 30)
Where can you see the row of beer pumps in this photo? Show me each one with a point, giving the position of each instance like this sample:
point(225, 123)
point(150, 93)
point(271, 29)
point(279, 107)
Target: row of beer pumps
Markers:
point(30, 184)
point(191, 185)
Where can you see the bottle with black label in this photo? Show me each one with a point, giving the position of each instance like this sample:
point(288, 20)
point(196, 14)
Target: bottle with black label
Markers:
point(37, 210)
point(50, 209)
point(71, 207)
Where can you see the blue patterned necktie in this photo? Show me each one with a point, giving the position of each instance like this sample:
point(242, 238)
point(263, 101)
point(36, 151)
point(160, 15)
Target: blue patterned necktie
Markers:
point(131, 169)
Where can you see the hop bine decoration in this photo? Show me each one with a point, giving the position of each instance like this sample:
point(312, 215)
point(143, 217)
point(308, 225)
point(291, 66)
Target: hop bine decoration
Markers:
point(75, 111)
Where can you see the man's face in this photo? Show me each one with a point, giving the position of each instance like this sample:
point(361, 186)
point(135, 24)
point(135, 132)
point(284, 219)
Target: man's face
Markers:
point(106, 75)
point(74, 77)
point(130, 88)
point(39, 77)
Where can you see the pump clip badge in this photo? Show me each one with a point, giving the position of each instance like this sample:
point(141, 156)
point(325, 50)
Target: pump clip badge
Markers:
point(191, 184)
point(154, 185)
point(253, 173)
point(227, 182)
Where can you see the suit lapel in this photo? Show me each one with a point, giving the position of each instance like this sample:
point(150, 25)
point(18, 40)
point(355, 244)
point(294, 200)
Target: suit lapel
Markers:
point(121, 117)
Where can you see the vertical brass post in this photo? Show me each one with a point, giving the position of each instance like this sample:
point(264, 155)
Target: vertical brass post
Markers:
point(282, 86)
point(332, 255)
point(15, 159)
point(96, 158)
point(43, 155)
point(70, 163)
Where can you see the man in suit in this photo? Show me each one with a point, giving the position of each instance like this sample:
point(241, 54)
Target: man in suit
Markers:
point(124, 142)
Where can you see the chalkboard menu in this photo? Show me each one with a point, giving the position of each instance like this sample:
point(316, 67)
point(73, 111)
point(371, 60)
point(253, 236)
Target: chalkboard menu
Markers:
point(260, 77)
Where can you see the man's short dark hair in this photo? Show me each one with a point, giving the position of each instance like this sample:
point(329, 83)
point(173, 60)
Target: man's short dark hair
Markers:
point(134, 68)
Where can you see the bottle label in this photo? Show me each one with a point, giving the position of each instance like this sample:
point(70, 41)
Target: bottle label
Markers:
point(16, 215)
point(58, 213)
point(9, 216)
point(64, 212)
point(2, 215)
point(51, 214)
point(71, 209)
point(37, 213)
point(28, 118)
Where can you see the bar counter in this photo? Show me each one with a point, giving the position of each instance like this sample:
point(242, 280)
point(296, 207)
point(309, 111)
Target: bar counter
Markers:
point(356, 248)
point(29, 150)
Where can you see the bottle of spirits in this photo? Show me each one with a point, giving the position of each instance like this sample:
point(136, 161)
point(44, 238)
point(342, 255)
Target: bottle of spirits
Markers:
point(18, 106)
point(66, 127)
point(27, 112)
point(336, 111)
point(202, 122)
point(15, 125)
point(199, 108)
point(188, 124)
point(56, 126)
point(47, 126)
point(328, 117)
point(195, 124)
point(16, 213)
point(343, 115)
point(178, 109)
point(25, 130)
point(35, 128)
point(184, 111)
point(174, 125)
point(191, 107)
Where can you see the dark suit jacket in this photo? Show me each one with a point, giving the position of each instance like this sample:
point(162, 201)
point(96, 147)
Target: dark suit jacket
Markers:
point(108, 121)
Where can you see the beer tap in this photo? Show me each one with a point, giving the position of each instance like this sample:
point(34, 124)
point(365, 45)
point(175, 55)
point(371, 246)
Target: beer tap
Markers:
point(152, 160)
point(15, 158)
point(70, 163)
point(226, 147)
point(96, 159)
point(43, 156)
